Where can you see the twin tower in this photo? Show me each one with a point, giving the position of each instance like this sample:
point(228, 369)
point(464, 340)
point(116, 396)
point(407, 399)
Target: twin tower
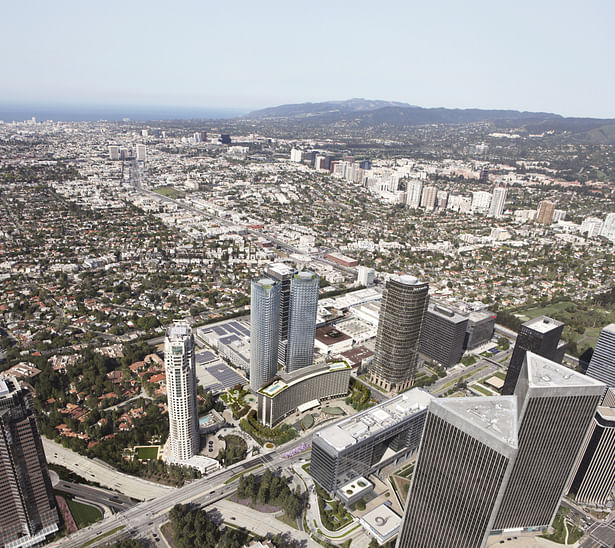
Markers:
point(282, 322)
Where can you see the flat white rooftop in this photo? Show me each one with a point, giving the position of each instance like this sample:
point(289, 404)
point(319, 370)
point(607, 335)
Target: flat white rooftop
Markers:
point(281, 269)
point(178, 331)
point(382, 521)
point(546, 373)
point(349, 431)
point(543, 324)
point(496, 416)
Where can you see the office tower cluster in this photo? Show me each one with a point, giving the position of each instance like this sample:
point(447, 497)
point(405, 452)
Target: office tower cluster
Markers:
point(498, 464)
point(404, 303)
point(282, 322)
point(28, 511)
point(180, 372)
point(409, 325)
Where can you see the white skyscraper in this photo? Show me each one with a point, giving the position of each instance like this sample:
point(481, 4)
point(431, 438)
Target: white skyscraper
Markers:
point(365, 275)
point(302, 320)
point(428, 200)
point(413, 193)
point(608, 228)
point(181, 391)
point(497, 202)
point(141, 152)
point(592, 226)
point(481, 201)
point(296, 155)
point(264, 331)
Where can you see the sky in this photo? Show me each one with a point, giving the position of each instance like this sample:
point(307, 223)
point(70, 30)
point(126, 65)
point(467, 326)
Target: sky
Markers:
point(541, 55)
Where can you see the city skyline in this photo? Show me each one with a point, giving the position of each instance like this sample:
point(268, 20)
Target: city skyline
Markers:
point(146, 54)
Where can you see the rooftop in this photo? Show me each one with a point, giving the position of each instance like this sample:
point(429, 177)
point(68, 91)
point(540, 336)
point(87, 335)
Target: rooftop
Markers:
point(610, 328)
point(281, 269)
point(349, 431)
point(543, 324)
point(543, 372)
point(178, 331)
point(446, 312)
point(406, 279)
point(496, 416)
point(383, 520)
point(265, 283)
point(298, 376)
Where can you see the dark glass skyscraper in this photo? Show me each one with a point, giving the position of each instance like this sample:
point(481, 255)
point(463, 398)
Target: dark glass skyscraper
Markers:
point(465, 459)
point(399, 332)
point(541, 336)
point(282, 273)
point(28, 512)
point(556, 406)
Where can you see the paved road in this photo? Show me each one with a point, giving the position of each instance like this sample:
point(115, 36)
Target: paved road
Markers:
point(102, 473)
point(115, 501)
point(141, 519)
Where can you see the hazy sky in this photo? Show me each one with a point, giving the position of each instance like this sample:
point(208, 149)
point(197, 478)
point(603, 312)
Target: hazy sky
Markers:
point(547, 55)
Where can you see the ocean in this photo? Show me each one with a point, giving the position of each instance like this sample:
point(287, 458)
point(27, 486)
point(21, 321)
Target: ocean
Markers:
point(92, 113)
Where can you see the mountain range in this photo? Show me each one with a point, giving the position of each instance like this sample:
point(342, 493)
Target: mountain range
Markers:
point(365, 113)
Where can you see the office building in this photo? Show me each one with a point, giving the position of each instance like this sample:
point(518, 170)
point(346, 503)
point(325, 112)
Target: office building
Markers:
point(141, 152)
point(302, 320)
point(442, 199)
point(481, 201)
point(602, 364)
point(181, 392)
point(594, 480)
point(558, 215)
point(480, 328)
point(404, 303)
point(541, 336)
point(302, 390)
point(365, 276)
point(465, 461)
point(264, 331)
point(283, 274)
point(225, 139)
point(443, 334)
point(414, 190)
point(28, 511)
point(497, 202)
point(365, 443)
point(555, 408)
point(428, 198)
point(545, 212)
point(592, 226)
point(608, 227)
point(484, 172)
point(296, 155)
point(114, 152)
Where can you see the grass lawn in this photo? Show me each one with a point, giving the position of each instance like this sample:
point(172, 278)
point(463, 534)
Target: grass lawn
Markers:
point(500, 375)
point(168, 191)
point(333, 411)
point(483, 390)
point(84, 514)
point(559, 535)
point(147, 452)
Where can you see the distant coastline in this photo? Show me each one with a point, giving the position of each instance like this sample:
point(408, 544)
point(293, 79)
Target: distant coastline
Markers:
point(93, 113)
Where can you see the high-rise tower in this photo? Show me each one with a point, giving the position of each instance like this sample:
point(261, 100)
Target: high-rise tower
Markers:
point(594, 480)
point(555, 406)
point(181, 391)
point(541, 336)
point(283, 274)
point(465, 460)
point(545, 212)
point(302, 320)
point(602, 364)
point(28, 512)
point(404, 302)
point(497, 202)
point(264, 331)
